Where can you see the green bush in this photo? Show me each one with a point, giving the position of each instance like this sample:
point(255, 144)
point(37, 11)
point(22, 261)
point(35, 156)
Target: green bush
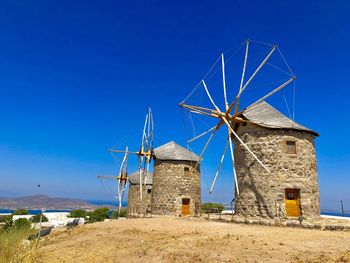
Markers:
point(20, 211)
point(212, 207)
point(7, 219)
point(78, 213)
point(123, 213)
point(22, 223)
point(99, 214)
point(36, 218)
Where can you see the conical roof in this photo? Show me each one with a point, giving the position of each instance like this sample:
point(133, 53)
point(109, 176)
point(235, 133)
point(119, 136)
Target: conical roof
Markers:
point(265, 115)
point(175, 152)
point(134, 178)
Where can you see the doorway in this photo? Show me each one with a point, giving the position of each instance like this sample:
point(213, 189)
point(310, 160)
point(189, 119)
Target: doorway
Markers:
point(292, 201)
point(185, 206)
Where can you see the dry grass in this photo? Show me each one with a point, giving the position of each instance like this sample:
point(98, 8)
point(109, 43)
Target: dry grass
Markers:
point(196, 240)
point(14, 246)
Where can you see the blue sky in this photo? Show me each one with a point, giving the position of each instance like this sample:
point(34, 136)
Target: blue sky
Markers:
point(76, 77)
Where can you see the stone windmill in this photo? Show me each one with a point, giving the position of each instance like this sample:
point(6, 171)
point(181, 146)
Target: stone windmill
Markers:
point(259, 137)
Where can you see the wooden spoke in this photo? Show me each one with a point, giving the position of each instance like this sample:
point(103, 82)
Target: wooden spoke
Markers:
point(210, 98)
point(205, 146)
point(224, 80)
point(219, 168)
point(245, 146)
point(243, 73)
point(251, 78)
point(233, 164)
point(273, 92)
point(202, 134)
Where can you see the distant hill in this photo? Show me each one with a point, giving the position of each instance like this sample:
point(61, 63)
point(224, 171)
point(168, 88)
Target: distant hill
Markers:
point(45, 202)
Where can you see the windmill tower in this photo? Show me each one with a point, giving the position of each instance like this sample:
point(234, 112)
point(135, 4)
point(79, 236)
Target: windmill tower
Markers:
point(267, 183)
point(176, 181)
point(137, 207)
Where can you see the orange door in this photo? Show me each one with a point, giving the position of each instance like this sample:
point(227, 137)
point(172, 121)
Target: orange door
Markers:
point(292, 200)
point(185, 206)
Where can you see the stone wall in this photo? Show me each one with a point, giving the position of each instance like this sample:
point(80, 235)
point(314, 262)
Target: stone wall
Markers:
point(135, 206)
point(262, 193)
point(171, 184)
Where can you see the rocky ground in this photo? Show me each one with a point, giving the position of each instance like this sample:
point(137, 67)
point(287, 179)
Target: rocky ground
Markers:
point(165, 239)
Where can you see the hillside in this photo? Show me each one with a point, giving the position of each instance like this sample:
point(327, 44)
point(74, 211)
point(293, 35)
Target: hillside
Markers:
point(44, 202)
point(166, 239)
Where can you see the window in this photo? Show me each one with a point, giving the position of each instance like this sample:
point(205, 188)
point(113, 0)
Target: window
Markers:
point(291, 147)
point(186, 170)
point(149, 191)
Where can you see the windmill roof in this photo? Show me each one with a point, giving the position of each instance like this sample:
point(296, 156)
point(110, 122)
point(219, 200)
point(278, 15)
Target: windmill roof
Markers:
point(134, 178)
point(263, 114)
point(175, 152)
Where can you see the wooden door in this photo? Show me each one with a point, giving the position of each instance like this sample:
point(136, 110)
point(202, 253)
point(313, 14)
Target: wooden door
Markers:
point(292, 200)
point(185, 206)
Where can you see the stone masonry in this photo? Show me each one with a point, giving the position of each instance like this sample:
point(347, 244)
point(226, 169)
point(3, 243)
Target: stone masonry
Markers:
point(262, 193)
point(171, 183)
point(135, 206)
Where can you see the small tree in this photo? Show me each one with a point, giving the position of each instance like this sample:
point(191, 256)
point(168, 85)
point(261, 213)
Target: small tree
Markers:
point(22, 223)
point(212, 207)
point(36, 218)
point(20, 211)
point(99, 214)
point(78, 213)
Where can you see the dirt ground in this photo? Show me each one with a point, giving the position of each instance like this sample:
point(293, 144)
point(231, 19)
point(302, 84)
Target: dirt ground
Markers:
point(192, 240)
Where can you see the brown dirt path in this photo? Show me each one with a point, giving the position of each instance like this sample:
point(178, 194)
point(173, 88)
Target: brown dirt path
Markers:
point(192, 240)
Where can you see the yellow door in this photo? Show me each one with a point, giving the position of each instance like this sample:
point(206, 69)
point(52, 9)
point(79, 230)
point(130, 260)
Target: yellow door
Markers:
point(185, 206)
point(292, 200)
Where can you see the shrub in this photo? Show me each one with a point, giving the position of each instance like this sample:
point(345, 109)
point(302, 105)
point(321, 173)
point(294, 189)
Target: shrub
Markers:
point(20, 211)
point(212, 207)
point(12, 247)
point(78, 213)
point(99, 214)
point(36, 218)
point(22, 223)
point(123, 213)
point(7, 219)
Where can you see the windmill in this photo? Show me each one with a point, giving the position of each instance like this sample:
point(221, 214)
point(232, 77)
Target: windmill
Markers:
point(145, 153)
point(121, 178)
point(229, 117)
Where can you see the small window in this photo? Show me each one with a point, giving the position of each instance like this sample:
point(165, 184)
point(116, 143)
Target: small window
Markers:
point(291, 147)
point(149, 191)
point(186, 170)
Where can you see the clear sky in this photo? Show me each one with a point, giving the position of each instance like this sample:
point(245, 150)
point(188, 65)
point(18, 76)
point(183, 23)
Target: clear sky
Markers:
point(76, 77)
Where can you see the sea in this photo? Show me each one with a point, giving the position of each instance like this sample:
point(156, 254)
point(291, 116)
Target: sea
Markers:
point(94, 202)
